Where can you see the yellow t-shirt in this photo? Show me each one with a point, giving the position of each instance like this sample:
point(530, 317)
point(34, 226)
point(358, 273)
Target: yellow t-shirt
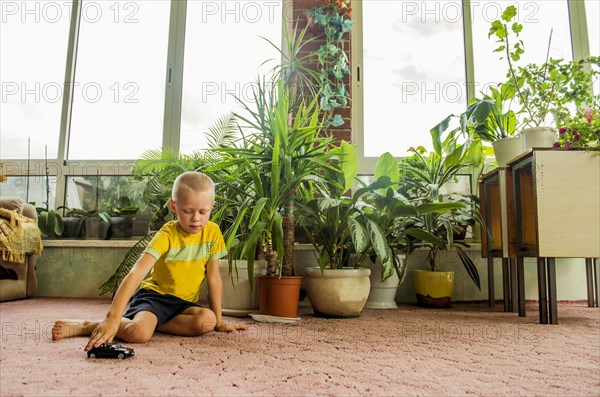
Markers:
point(181, 259)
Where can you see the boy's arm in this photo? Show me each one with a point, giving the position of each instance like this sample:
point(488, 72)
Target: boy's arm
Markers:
point(106, 330)
point(215, 297)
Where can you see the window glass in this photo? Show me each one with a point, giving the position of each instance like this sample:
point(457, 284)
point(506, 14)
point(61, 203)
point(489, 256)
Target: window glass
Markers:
point(120, 79)
point(413, 72)
point(31, 190)
point(224, 54)
point(32, 34)
point(538, 18)
point(105, 193)
point(592, 11)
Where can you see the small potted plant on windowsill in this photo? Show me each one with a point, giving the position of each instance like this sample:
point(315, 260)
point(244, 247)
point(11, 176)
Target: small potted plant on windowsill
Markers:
point(92, 224)
point(122, 218)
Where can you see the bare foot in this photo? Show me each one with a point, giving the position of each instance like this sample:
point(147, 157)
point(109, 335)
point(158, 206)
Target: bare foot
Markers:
point(70, 328)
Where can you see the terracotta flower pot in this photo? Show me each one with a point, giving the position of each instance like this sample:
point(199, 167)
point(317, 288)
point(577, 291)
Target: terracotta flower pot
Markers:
point(279, 296)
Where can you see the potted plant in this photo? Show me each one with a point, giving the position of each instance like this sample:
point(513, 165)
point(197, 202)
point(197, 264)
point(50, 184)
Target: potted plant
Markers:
point(263, 171)
point(554, 88)
point(92, 224)
point(491, 120)
point(382, 204)
point(441, 213)
point(50, 222)
point(581, 130)
point(330, 225)
point(360, 238)
point(122, 218)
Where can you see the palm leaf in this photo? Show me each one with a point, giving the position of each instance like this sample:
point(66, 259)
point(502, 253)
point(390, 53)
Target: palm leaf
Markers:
point(112, 284)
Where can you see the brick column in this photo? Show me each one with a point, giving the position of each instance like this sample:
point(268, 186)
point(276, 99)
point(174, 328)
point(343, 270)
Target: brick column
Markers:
point(343, 132)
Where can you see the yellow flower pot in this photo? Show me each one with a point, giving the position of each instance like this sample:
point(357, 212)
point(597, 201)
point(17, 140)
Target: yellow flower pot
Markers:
point(433, 289)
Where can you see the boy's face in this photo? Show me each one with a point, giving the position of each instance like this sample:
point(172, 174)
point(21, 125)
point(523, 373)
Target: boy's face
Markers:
point(192, 210)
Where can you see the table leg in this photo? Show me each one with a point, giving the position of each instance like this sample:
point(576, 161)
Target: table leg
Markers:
point(552, 301)
point(542, 291)
point(506, 285)
point(596, 280)
point(521, 286)
point(491, 292)
point(589, 281)
point(514, 287)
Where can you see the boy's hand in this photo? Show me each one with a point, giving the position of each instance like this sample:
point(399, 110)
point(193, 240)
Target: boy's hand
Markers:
point(230, 327)
point(105, 331)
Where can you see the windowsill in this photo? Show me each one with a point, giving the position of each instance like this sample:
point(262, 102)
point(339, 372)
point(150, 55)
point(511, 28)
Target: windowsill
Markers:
point(63, 243)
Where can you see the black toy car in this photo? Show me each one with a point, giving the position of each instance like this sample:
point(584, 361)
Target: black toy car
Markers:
point(110, 350)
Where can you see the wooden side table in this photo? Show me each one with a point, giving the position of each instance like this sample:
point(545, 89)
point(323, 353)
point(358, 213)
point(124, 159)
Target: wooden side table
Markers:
point(556, 197)
point(496, 241)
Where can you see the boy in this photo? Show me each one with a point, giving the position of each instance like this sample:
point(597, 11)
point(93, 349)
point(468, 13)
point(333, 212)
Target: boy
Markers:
point(180, 254)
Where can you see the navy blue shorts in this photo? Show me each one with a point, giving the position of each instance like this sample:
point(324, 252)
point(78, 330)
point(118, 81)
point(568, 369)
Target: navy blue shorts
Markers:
point(164, 307)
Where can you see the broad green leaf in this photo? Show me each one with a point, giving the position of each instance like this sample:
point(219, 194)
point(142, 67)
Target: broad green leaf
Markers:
point(387, 166)
point(359, 235)
point(348, 164)
point(378, 241)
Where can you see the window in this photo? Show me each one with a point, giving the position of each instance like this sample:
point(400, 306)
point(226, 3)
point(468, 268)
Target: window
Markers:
point(120, 79)
point(32, 34)
point(104, 193)
point(35, 189)
point(592, 11)
point(538, 20)
point(414, 77)
point(225, 49)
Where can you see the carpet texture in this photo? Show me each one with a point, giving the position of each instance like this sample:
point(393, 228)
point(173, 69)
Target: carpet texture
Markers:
point(470, 349)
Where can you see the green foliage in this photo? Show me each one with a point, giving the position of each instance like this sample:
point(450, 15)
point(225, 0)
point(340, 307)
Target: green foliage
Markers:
point(581, 130)
point(441, 213)
point(373, 223)
point(332, 60)
point(112, 284)
point(327, 219)
point(161, 167)
point(49, 222)
point(262, 170)
point(491, 118)
point(555, 87)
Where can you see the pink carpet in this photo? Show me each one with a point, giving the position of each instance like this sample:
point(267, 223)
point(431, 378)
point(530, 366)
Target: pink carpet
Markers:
point(467, 350)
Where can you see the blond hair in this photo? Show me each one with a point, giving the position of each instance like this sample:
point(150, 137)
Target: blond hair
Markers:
point(192, 181)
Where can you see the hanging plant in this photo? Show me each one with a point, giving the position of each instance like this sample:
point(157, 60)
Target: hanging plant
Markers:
point(333, 64)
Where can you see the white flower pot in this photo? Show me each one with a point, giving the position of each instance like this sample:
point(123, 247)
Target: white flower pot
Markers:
point(537, 137)
point(506, 149)
point(238, 298)
point(382, 294)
